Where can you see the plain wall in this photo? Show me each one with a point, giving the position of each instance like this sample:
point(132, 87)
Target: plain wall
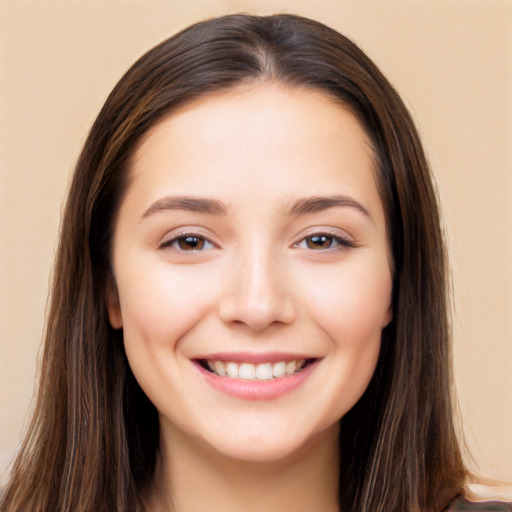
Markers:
point(450, 60)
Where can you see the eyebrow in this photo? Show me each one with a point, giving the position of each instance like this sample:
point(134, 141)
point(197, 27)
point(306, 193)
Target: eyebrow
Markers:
point(187, 203)
point(319, 203)
point(300, 206)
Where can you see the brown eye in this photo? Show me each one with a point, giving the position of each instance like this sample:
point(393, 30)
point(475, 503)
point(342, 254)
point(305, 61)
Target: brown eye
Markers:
point(319, 242)
point(191, 243)
point(325, 242)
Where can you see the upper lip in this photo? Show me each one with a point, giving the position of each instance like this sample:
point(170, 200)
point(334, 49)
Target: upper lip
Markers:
point(255, 358)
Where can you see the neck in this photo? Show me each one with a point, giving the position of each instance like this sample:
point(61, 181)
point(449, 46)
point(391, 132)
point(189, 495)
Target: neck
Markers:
point(191, 477)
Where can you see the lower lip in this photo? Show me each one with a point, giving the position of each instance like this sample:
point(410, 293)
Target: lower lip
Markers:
point(257, 389)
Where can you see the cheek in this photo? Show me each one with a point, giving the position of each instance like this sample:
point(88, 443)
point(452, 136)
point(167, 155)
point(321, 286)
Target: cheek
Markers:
point(353, 305)
point(352, 309)
point(159, 304)
point(158, 307)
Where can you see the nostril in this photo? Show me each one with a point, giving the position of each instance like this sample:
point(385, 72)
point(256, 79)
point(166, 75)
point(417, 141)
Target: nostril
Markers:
point(256, 296)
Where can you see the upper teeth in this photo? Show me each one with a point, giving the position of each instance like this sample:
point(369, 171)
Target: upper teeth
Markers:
point(249, 371)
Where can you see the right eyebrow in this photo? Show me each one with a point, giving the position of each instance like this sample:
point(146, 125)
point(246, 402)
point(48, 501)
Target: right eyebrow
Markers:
point(319, 203)
point(188, 203)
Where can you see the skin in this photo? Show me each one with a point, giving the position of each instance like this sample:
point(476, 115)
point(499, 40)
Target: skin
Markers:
point(255, 282)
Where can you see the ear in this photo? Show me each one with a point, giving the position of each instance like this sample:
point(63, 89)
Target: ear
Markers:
point(113, 306)
point(388, 316)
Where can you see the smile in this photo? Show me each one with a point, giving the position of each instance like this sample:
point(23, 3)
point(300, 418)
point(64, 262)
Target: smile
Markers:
point(250, 371)
point(255, 377)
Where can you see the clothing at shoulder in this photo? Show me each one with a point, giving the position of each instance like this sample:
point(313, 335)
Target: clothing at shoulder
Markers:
point(462, 504)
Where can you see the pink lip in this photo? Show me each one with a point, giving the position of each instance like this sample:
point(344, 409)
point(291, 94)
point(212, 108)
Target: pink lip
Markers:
point(255, 389)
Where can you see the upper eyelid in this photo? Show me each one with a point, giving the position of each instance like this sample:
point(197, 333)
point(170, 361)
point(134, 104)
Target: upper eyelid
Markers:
point(185, 230)
point(169, 239)
point(179, 232)
point(342, 241)
point(330, 231)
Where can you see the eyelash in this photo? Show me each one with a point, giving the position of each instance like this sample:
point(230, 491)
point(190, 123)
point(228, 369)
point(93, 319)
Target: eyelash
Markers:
point(340, 242)
point(169, 244)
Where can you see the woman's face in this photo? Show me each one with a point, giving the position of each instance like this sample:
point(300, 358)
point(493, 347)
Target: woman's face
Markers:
point(251, 269)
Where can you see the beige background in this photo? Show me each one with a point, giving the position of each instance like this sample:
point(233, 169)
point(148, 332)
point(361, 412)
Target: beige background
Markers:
point(451, 60)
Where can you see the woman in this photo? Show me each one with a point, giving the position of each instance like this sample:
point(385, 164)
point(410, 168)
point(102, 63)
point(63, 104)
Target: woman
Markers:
point(249, 303)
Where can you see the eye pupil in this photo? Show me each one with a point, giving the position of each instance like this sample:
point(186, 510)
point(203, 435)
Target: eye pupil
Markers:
point(191, 243)
point(319, 242)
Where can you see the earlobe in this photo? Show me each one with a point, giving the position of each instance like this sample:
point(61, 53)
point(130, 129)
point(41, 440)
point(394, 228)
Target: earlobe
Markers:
point(113, 306)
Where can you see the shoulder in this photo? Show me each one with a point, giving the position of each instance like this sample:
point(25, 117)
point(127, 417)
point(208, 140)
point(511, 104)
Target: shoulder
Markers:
point(463, 504)
point(484, 498)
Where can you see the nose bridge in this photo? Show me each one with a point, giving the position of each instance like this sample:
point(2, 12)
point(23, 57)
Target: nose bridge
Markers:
point(258, 273)
point(258, 295)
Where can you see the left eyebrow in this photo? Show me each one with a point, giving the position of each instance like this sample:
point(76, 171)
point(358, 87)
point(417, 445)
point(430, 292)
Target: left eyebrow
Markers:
point(187, 203)
point(319, 203)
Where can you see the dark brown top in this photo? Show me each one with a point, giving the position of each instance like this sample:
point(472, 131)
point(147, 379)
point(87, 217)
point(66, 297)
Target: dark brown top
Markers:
point(462, 504)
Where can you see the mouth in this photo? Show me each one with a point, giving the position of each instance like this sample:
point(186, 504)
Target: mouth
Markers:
point(264, 371)
point(256, 376)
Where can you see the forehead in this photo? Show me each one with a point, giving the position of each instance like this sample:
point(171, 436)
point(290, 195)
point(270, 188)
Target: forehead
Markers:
point(274, 115)
point(256, 107)
point(295, 141)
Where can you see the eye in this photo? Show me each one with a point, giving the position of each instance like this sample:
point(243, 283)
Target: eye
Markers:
point(188, 243)
point(323, 242)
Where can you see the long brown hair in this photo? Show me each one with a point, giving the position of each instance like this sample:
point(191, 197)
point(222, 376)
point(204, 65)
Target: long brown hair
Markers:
point(94, 436)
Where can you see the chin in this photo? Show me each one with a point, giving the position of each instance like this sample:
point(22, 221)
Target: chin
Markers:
point(266, 449)
point(258, 453)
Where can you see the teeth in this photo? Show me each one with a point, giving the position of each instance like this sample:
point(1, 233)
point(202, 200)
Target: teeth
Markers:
point(279, 369)
point(249, 371)
point(219, 368)
point(290, 368)
point(264, 371)
point(232, 370)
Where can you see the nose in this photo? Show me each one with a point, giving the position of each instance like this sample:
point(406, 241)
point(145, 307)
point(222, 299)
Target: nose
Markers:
point(257, 294)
